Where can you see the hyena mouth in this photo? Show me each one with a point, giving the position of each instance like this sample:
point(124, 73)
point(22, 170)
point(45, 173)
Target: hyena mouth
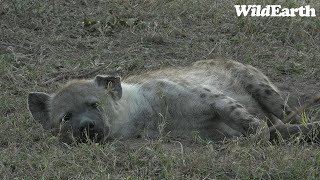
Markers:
point(88, 136)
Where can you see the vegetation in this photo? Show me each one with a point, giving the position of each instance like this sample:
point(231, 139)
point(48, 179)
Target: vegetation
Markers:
point(43, 43)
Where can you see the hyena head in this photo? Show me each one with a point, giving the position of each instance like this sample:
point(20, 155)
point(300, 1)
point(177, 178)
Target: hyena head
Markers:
point(79, 112)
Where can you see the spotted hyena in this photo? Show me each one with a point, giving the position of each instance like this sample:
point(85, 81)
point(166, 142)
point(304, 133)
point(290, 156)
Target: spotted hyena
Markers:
point(217, 99)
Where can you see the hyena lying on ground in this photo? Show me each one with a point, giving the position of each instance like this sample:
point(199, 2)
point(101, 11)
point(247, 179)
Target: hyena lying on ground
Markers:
point(218, 99)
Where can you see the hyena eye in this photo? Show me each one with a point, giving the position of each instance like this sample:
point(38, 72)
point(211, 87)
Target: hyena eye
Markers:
point(66, 117)
point(94, 105)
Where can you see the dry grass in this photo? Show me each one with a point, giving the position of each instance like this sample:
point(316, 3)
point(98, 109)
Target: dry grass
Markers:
point(43, 40)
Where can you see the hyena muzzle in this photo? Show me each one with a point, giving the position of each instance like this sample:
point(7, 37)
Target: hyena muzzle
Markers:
point(217, 99)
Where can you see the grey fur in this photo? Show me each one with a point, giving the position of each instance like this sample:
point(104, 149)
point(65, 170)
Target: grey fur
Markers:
point(217, 98)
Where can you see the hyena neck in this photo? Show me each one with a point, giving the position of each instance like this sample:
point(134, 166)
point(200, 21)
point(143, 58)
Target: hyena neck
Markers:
point(128, 109)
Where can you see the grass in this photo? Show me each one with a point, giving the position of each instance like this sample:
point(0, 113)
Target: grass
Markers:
point(42, 40)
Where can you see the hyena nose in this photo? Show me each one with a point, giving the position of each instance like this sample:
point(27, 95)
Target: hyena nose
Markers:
point(87, 127)
point(90, 131)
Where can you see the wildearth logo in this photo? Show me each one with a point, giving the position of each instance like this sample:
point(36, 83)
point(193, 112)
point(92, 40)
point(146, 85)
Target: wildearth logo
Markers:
point(274, 11)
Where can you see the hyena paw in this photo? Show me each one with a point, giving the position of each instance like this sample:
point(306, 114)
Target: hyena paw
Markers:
point(254, 126)
point(258, 131)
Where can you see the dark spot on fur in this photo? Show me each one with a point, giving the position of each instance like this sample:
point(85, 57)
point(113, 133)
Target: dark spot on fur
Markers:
point(203, 95)
point(239, 105)
point(219, 95)
point(232, 108)
point(207, 89)
point(250, 86)
point(213, 105)
point(268, 91)
point(230, 102)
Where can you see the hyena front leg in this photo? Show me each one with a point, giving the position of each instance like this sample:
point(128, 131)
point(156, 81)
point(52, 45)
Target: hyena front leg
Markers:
point(262, 90)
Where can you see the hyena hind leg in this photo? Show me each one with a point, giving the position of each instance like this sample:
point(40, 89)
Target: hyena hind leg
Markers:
point(262, 90)
point(236, 116)
point(308, 132)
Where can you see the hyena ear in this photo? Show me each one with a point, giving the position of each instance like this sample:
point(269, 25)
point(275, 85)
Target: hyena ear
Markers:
point(38, 106)
point(112, 82)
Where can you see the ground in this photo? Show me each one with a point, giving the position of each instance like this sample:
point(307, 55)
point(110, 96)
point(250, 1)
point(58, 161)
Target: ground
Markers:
point(44, 43)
